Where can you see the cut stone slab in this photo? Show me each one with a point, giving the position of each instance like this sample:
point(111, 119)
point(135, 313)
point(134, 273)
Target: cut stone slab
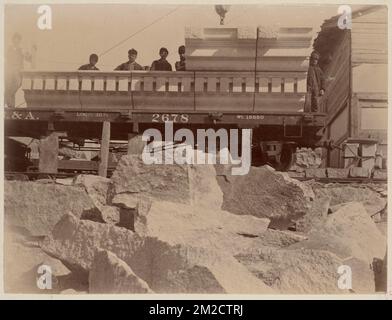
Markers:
point(303, 271)
point(265, 193)
point(164, 267)
point(380, 174)
point(65, 181)
point(296, 175)
point(109, 274)
point(358, 172)
point(188, 184)
point(315, 173)
point(371, 200)
point(338, 173)
point(38, 207)
point(348, 232)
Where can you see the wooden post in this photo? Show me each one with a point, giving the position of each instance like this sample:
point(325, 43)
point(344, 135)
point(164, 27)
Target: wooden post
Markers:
point(105, 143)
point(48, 152)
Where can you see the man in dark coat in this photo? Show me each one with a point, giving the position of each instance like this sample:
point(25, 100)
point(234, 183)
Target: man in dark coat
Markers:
point(180, 65)
point(315, 82)
point(162, 64)
point(131, 64)
point(91, 65)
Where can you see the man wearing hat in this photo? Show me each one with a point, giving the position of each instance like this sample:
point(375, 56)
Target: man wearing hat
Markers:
point(131, 64)
point(315, 81)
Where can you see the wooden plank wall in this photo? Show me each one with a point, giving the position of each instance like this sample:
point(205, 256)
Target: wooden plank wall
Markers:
point(370, 74)
point(370, 37)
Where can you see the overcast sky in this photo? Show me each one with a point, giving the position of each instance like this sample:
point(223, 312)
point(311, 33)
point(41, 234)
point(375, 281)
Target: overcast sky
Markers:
point(79, 30)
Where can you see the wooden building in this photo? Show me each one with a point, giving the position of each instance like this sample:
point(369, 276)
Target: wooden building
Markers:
point(356, 65)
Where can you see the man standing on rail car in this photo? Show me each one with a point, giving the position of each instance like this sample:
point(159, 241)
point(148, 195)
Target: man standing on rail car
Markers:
point(180, 65)
point(13, 69)
point(162, 64)
point(90, 66)
point(131, 64)
point(315, 82)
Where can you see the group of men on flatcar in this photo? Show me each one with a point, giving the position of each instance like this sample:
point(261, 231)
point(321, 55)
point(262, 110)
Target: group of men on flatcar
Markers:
point(15, 59)
point(158, 65)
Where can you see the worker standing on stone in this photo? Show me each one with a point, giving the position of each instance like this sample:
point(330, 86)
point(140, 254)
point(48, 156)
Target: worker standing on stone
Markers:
point(131, 64)
point(13, 69)
point(91, 65)
point(180, 65)
point(162, 64)
point(315, 82)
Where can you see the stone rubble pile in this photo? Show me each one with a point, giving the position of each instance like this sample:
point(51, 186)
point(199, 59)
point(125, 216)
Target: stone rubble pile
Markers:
point(194, 229)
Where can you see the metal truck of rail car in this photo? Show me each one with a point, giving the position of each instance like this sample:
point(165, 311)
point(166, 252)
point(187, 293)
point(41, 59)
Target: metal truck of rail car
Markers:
point(237, 78)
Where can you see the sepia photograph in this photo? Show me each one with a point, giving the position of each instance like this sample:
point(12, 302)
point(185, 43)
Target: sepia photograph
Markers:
point(184, 148)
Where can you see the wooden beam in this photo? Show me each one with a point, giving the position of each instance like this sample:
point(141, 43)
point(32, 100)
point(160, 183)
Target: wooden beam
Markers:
point(48, 152)
point(105, 142)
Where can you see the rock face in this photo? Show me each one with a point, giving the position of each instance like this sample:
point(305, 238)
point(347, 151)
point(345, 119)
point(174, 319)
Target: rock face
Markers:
point(109, 274)
point(186, 184)
point(371, 200)
point(302, 271)
point(165, 268)
point(348, 232)
point(38, 207)
point(265, 193)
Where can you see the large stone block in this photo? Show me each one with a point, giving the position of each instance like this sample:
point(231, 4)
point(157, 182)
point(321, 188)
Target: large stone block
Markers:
point(234, 48)
point(266, 193)
point(37, 207)
point(165, 268)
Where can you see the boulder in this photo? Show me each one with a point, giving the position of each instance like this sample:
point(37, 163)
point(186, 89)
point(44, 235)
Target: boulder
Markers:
point(196, 225)
point(348, 232)
point(96, 187)
point(316, 216)
point(188, 184)
point(21, 263)
point(302, 271)
point(110, 214)
point(265, 193)
point(109, 274)
point(339, 194)
point(306, 158)
point(164, 267)
point(38, 207)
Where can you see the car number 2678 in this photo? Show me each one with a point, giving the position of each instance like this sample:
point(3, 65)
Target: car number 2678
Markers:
point(172, 117)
